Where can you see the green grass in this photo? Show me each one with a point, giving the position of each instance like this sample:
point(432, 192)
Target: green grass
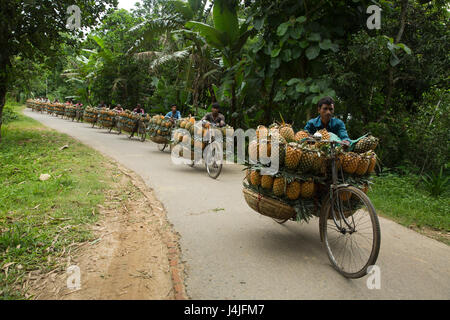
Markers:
point(40, 219)
point(407, 202)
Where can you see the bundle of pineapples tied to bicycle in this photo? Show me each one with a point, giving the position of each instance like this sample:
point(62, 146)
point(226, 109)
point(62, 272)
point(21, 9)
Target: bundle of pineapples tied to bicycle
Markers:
point(160, 129)
point(71, 112)
point(90, 115)
point(107, 118)
point(128, 121)
point(197, 133)
point(304, 173)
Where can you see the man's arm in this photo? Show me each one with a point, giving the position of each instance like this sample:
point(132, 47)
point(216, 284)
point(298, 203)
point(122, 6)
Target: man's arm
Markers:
point(168, 115)
point(206, 117)
point(342, 132)
point(222, 121)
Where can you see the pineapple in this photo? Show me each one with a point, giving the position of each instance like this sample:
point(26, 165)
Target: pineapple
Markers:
point(319, 164)
point(265, 148)
point(287, 132)
point(307, 160)
point(325, 136)
point(262, 132)
point(281, 151)
point(279, 185)
point(373, 161)
point(247, 176)
point(308, 189)
point(267, 182)
point(301, 135)
point(350, 162)
point(366, 144)
point(255, 178)
point(363, 165)
point(293, 155)
point(253, 150)
point(293, 190)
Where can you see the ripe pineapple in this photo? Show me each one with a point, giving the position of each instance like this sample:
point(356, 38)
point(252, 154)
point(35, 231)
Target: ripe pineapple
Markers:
point(247, 176)
point(265, 148)
point(280, 150)
point(350, 162)
point(287, 132)
point(279, 184)
point(255, 178)
point(307, 160)
point(308, 189)
point(325, 136)
point(301, 135)
point(319, 163)
point(262, 132)
point(363, 165)
point(366, 144)
point(293, 190)
point(373, 161)
point(267, 182)
point(253, 150)
point(293, 155)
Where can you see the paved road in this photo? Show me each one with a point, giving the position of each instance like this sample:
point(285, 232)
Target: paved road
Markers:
point(234, 253)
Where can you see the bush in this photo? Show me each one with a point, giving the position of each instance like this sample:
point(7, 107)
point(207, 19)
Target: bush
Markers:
point(9, 115)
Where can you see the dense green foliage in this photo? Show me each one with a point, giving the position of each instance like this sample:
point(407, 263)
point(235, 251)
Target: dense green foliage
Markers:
point(264, 58)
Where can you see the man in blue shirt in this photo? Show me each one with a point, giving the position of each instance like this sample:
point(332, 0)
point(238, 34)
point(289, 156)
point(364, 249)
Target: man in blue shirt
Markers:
point(174, 114)
point(327, 120)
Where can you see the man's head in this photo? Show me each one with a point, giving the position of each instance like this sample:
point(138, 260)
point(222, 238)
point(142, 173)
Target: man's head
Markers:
point(325, 107)
point(138, 106)
point(215, 108)
point(174, 108)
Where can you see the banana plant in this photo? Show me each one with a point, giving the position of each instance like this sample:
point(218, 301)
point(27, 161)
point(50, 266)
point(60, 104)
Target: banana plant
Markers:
point(228, 37)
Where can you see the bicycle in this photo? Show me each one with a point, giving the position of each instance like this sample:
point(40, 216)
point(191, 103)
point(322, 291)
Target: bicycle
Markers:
point(352, 244)
point(213, 159)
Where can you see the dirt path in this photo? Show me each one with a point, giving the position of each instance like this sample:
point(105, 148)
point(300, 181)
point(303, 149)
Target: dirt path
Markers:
point(135, 254)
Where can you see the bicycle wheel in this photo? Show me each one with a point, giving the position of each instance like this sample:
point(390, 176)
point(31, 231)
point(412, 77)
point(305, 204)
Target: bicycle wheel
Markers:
point(142, 131)
point(213, 164)
point(350, 231)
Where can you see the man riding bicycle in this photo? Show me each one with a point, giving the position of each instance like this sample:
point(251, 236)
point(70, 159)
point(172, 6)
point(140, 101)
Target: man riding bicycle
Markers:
point(215, 117)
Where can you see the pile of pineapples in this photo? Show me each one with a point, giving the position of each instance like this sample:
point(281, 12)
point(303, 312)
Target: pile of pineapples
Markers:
point(195, 131)
point(49, 107)
point(160, 127)
point(90, 114)
point(71, 111)
point(305, 167)
point(107, 117)
point(59, 109)
point(127, 120)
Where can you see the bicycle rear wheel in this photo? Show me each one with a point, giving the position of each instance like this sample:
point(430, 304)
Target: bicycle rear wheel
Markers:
point(213, 162)
point(351, 232)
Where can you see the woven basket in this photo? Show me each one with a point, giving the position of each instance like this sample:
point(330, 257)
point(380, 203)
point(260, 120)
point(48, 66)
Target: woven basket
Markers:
point(160, 140)
point(268, 207)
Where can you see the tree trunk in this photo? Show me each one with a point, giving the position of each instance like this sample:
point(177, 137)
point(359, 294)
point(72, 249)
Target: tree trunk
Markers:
point(233, 103)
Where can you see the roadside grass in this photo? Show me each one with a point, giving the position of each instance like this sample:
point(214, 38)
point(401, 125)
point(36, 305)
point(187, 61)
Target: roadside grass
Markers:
point(41, 220)
point(406, 202)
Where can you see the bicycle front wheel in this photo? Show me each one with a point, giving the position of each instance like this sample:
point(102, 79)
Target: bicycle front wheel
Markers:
point(351, 232)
